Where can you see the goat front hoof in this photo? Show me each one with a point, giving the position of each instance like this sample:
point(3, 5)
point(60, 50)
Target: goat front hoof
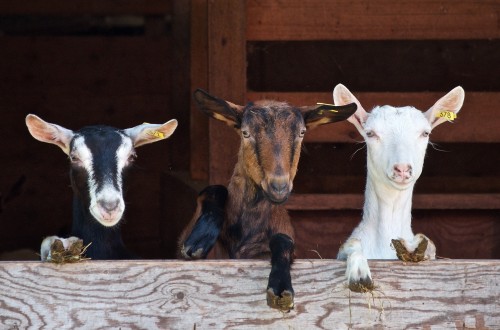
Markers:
point(283, 302)
point(188, 253)
point(363, 285)
point(407, 254)
point(62, 250)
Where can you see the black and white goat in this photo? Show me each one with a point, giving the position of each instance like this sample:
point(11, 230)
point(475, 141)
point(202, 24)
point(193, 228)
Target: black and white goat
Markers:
point(98, 156)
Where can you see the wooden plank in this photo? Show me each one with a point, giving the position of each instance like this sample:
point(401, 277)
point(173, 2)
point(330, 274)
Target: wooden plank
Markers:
point(226, 79)
point(85, 7)
point(420, 201)
point(475, 123)
point(368, 20)
point(199, 79)
point(231, 294)
point(461, 234)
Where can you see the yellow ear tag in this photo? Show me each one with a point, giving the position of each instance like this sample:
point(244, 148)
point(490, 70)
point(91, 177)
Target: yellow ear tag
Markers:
point(448, 115)
point(155, 133)
point(331, 110)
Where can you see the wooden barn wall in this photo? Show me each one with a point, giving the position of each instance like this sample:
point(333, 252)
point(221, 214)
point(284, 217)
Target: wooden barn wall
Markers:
point(389, 52)
point(127, 76)
point(55, 66)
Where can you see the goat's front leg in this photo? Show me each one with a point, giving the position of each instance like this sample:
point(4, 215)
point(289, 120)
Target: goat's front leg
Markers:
point(201, 234)
point(357, 272)
point(279, 289)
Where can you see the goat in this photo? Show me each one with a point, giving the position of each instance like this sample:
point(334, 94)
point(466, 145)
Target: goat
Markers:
point(253, 223)
point(98, 156)
point(396, 140)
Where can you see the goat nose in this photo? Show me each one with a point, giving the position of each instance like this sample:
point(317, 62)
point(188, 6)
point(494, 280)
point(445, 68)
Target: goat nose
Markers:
point(402, 169)
point(279, 186)
point(109, 206)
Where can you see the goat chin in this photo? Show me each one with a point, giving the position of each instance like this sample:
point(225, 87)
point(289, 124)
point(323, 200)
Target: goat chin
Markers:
point(402, 185)
point(274, 200)
point(105, 221)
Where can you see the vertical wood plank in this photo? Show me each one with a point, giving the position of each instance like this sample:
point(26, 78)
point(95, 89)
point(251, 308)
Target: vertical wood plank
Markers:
point(226, 78)
point(180, 84)
point(199, 79)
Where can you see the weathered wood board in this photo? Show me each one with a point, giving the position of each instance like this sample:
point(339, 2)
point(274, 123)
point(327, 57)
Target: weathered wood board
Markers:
point(369, 20)
point(444, 294)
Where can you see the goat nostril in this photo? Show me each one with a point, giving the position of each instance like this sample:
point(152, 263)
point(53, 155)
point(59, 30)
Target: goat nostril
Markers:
point(109, 206)
point(402, 168)
point(279, 187)
point(403, 171)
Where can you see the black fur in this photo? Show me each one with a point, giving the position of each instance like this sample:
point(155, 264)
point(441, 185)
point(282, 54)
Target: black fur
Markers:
point(106, 242)
point(282, 249)
point(207, 228)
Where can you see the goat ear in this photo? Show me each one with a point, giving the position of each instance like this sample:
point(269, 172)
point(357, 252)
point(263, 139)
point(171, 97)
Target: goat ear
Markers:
point(451, 102)
point(219, 109)
point(326, 113)
point(149, 133)
point(49, 133)
point(341, 95)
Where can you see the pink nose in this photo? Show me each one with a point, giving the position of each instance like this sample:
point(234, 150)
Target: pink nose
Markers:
point(402, 170)
point(109, 209)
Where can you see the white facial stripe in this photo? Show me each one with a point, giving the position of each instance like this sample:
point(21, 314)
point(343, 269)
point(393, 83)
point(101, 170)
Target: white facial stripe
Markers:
point(122, 155)
point(108, 195)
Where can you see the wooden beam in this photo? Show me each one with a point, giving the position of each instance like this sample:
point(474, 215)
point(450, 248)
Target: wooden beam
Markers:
point(85, 7)
point(221, 294)
point(368, 20)
point(305, 202)
point(475, 121)
point(199, 79)
point(226, 79)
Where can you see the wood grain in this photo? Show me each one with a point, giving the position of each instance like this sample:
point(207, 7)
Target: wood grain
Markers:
point(230, 295)
point(368, 20)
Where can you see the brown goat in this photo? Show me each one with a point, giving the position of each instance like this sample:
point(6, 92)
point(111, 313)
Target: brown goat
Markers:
point(254, 223)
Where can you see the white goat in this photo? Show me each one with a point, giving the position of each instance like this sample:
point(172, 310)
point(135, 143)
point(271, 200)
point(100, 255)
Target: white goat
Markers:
point(396, 141)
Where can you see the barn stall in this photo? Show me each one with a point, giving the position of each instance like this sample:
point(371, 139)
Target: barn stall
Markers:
point(123, 63)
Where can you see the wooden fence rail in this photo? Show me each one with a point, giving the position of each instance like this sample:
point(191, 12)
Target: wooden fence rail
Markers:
point(443, 294)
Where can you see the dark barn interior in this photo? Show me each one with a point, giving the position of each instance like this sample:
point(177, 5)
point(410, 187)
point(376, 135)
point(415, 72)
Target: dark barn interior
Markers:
point(122, 63)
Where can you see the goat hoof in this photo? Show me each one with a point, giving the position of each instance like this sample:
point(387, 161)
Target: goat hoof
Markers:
point(283, 302)
point(404, 255)
point(187, 253)
point(362, 286)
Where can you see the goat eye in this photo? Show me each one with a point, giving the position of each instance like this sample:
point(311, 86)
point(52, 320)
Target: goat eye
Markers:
point(132, 157)
point(302, 132)
point(426, 134)
point(245, 134)
point(74, 159)
point(370, 134)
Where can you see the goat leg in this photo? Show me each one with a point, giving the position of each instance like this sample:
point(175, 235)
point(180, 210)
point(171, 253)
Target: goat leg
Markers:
point(204, 234)
point(279, 289)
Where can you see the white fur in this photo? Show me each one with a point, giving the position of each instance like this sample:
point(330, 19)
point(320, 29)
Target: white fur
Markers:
point(396, 141)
